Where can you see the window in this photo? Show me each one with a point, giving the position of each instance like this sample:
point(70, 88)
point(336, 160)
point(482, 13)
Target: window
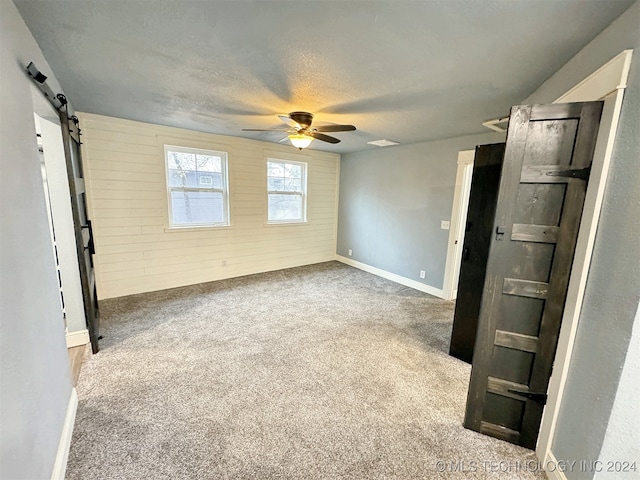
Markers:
point(197, 187)
point(287, 191)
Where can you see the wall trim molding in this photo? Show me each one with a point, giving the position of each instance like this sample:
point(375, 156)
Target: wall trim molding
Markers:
point(407, 282)
point(60, 465)
point(608, 78)
point(75, 339)
point(556, 473)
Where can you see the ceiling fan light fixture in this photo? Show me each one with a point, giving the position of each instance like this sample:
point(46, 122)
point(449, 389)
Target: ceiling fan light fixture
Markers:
point(300, 141)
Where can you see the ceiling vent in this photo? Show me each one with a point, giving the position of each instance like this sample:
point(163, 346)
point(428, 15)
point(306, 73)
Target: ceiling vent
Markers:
point(383, 143)
point(497, 124)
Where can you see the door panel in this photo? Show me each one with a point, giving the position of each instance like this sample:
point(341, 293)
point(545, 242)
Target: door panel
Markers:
point(82, 224)
point(483, 196)
point(544, 178)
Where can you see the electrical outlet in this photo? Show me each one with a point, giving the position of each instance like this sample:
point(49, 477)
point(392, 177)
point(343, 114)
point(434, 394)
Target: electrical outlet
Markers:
point(350, 252)
point(223, 263)
point(444, 224)
point(422, 273)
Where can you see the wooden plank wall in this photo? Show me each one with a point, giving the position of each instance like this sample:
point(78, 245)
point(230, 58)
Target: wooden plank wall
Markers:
point(127, 199)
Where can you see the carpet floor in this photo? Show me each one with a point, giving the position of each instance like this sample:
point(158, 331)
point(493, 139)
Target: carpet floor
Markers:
point(316, 372)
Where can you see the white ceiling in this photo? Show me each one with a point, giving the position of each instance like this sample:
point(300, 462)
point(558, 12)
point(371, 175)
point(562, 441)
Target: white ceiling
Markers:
point(408, 71)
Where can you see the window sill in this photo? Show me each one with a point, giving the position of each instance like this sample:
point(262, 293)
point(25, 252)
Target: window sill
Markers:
point(280, 224)
point(196, 229)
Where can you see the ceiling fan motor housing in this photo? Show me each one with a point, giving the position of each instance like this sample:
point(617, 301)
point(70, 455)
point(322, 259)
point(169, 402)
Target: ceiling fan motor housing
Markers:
point(304, 119)
point(299, 125)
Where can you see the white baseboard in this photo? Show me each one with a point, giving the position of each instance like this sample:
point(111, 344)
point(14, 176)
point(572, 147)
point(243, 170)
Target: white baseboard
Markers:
point(74, 339)
point(436, 292)
point(60, 467)
point(551, 468)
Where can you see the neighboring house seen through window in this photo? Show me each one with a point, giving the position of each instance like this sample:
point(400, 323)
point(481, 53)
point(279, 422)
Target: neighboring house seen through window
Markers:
point(197, 187)
point(287, 191)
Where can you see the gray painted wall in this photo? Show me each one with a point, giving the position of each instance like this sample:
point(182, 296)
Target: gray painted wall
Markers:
point(622, 441)
point(392, 201)
point(613, 286)
point(35, 381)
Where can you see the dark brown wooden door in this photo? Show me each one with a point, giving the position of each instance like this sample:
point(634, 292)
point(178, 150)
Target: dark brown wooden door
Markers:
point(483, 197)
point(82, 223)
point(542, 188)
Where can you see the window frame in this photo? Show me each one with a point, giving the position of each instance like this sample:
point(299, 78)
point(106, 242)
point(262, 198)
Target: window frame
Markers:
point(303, 194)
point(224, 164)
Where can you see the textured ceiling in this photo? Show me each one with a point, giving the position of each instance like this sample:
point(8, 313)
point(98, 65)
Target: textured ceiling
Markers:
point(408, 71)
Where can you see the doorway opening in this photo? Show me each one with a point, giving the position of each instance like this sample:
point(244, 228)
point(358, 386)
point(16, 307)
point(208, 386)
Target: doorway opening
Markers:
point(47, 199)
point(48, 132)
point(458, 223)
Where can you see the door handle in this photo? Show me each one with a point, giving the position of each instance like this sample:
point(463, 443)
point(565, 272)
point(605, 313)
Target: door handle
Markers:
point(90, 245)
point(500, 231)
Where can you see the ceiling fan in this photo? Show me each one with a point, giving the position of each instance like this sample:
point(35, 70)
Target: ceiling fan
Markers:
point(300, 131)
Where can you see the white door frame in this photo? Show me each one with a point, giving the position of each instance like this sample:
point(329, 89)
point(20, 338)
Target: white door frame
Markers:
point(608, 84)
point(458, 223)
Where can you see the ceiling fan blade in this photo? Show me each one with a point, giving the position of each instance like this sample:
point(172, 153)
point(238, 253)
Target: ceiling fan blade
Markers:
point(264, 130)
point(323, 137)
point(283, 140)
point(292, 123)
point(335, 128)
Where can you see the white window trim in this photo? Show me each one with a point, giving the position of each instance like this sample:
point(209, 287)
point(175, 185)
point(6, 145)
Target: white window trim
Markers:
point(305, 167)
point(225, 191)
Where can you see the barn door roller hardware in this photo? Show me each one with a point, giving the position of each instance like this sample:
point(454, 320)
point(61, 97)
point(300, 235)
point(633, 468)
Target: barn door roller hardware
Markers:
point(58, 101)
